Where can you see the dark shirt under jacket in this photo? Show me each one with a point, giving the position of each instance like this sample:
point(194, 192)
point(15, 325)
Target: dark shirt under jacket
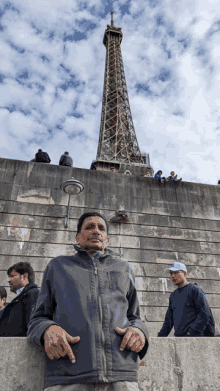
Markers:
point(16, 315)
point(188, 312)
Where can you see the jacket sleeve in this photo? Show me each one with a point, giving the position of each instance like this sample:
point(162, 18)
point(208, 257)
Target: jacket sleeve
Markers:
point(42, 317)
point(168, 322)
point(133, 313)
point(28, 305)
point(202, 311)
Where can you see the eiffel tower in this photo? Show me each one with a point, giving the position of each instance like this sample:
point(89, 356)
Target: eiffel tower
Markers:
point(118, 146)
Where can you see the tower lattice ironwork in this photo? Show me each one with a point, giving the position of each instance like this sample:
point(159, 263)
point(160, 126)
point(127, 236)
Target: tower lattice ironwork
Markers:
point(117, 138)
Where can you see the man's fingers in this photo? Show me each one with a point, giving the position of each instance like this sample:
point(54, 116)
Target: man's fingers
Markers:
point(68, 351)
point(121, 331)
point(131, 341)
point(71, 339)
point(126, 338)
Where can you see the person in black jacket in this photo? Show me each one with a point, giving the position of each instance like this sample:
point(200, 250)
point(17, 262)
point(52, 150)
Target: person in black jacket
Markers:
point(87, 316)
point(16, 315)
point(188, 310)
point(3, 297)
point(66, 160)
point(42, 157)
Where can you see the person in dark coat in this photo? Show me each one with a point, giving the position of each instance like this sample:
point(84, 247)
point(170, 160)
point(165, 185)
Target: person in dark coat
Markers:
point(188, 312)
point(158, 176)
point(66, 160)
point(16, 315)
point(3, 297)
point(42, 157)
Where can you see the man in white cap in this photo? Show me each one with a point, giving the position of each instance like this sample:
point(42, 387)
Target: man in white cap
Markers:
point(188, 312)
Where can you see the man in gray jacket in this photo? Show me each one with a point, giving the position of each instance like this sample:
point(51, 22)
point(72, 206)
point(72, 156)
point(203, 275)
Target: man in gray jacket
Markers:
point(87, 316)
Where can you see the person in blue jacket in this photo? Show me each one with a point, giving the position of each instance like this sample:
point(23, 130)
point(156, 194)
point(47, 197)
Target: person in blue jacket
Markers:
point(188, 312)
point(158, 176)
point(87, 316)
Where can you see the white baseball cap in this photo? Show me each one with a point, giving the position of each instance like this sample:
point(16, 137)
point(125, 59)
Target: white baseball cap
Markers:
point(177, 266)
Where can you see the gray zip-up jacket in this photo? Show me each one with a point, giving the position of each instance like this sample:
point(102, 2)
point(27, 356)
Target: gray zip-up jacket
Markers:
point(89, 297)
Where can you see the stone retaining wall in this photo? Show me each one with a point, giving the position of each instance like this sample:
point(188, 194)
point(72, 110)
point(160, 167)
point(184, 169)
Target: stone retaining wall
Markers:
point(167, 223)
point(171, 364)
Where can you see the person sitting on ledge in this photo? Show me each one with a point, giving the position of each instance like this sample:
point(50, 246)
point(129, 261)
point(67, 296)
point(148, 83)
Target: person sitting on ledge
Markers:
point(147, 174)
point(42, 157)
point(173, 177)
point(219, 182)
point(127, 172)
point(188, 310)
point(66, 160)
point(16, 315)
point(87, 316)
point(112, 170)
point(158, 176)
point(3, 297)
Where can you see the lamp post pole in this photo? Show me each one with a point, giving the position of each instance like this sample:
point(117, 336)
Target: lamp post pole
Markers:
point(71, 186)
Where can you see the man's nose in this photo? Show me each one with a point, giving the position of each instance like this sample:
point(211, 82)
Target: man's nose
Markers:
point(96, 229)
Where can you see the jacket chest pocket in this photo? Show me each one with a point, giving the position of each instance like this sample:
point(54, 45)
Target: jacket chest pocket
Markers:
point(117, 281)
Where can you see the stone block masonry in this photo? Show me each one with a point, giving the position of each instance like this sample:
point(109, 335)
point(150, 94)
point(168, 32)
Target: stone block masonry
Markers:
point(167, 223)
point(171, 364)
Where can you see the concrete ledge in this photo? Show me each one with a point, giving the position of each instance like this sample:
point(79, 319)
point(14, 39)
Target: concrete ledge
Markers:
point(172, 364)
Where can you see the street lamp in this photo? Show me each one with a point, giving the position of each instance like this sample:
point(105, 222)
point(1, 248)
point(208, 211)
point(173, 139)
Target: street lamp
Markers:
point(71, 187)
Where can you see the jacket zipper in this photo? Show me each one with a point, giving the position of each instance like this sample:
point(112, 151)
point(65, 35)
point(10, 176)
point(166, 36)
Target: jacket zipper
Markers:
point(102, 333)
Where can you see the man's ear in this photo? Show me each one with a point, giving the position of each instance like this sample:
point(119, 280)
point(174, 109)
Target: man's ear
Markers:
point(4, 300)
point(78, 238)
point(25, 275)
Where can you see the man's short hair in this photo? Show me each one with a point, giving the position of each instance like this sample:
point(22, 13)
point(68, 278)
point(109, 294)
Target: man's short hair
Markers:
point(66, 153)
point(21, 268)
point(89, 214)
point(3, 293)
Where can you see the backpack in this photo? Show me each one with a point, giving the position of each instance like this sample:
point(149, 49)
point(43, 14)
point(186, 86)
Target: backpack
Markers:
point(210, 328)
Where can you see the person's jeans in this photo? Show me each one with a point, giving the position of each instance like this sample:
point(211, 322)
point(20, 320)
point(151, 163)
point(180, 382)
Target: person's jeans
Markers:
point(117, 386)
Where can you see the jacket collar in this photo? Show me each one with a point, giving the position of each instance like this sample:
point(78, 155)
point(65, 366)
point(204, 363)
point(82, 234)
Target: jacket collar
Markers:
point(103, 254)
point(26, 288)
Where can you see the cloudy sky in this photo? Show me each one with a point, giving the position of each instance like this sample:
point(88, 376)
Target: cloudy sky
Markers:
point(52, 71)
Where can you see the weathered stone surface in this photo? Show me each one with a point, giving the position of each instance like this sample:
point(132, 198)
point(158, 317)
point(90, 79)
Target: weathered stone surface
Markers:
point(181, 364)
point(171, 364)
point(174, 222)
point(22, 365)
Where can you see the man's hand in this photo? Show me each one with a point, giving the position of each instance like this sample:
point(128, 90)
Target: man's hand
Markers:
point(56, 343)
point(134, 338)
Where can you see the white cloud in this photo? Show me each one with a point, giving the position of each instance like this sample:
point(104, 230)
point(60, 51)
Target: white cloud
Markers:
point(51, 83)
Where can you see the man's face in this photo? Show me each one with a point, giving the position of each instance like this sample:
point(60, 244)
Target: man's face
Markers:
point(2, 303)
point(178, 278)
point(172, 173)
point(93, 236)
point(15, 281)
point(160, 173)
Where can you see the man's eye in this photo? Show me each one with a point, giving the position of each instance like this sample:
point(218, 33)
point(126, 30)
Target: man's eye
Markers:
point(101, 228)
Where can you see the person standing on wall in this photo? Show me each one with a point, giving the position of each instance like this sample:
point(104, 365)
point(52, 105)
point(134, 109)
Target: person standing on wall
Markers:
point(87, 316)
point(188, 312)
point(16, 315)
